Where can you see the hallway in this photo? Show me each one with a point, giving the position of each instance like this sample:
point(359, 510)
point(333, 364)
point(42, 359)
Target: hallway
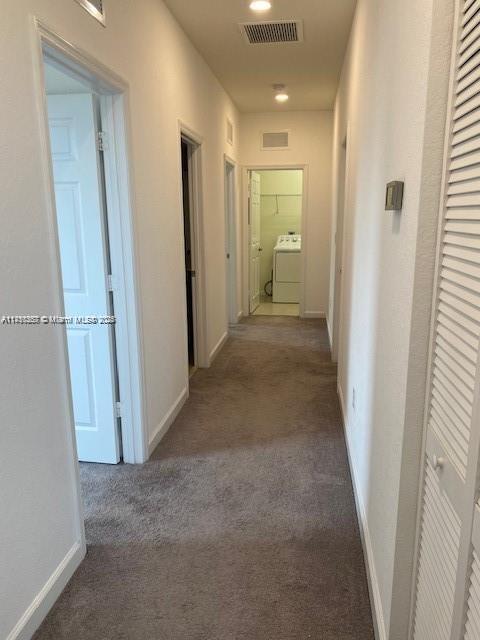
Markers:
point(242, 525)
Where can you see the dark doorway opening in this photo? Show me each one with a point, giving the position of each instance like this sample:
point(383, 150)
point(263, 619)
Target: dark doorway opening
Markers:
point(189, 261)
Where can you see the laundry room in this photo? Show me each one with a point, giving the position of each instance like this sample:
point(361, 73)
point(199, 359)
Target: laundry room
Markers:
point(279, 204)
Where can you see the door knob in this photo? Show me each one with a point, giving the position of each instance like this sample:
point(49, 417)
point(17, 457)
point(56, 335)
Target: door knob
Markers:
point(438, 462)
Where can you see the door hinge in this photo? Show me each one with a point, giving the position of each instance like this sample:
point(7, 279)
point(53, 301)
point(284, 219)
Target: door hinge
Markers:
point(102, 141)
point(109, 282)
point(118, 409)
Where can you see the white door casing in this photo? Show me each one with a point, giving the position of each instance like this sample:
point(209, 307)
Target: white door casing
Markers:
point(82, 238)
point(230, 243)
point(448, 572)
point(254, 241)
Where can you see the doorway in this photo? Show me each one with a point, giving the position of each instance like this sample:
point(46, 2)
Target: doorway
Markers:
point(80, 196)
point(275, 259)
point(87, 175)
point(338, 247)
point(231, 242)
point(189, 245)
point(191, 195)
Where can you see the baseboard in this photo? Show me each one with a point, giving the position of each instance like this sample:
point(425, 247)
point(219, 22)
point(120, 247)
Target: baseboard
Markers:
point(218, 347)
point(167, 422)
point(373, 586)
point(44, 601)
point(313, 314)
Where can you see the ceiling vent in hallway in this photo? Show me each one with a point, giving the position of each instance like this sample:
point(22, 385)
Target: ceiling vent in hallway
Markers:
point(95, 8)
point(273, 32)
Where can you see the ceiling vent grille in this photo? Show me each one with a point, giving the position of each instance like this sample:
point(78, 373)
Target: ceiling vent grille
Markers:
point(95, 8)
point(275, 140)
point(273, 32)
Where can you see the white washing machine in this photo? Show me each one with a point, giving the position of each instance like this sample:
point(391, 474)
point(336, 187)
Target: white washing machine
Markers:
point(287, 268)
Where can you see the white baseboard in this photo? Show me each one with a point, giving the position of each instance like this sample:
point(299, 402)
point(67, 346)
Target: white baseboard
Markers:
point(44, 601)
point(373, 586)
point(166, 423)
point(313, 314)
point(218, 347)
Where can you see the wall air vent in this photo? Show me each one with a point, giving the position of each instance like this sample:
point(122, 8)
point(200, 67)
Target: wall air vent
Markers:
point(272, 32)
point(229, 131)
point(96, 8)
point(275, 140)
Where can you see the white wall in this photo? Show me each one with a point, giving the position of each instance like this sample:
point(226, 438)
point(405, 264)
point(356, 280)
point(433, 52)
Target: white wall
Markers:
point(392, 101)
point(310, 144)
point(168, 81)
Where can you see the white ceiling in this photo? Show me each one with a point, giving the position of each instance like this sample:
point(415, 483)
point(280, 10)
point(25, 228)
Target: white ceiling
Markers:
point(310, 69)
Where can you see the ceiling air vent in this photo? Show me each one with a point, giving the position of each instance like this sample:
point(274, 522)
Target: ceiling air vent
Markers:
point(273, 32)
point(95, 7)
point(275, 140)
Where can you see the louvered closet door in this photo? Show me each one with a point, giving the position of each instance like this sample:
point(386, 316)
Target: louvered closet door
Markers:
point(472, 625)
point(446, 556)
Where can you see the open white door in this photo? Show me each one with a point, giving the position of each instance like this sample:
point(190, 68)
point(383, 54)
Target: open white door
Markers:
point(83, 242)
point(254, 248)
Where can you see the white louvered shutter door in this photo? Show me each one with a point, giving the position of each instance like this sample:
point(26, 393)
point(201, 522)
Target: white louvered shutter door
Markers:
point(472, 625)
point(445, 555)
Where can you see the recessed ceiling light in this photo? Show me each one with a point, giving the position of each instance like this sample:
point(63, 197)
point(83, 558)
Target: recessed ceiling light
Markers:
point(281, 94)
point(260, 5)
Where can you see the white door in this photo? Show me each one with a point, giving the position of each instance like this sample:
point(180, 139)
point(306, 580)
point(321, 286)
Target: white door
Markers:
point(255, 248)
point(448, 586)
point(83, 242)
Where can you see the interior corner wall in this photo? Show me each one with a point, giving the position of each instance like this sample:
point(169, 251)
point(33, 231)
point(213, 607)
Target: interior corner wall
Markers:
point(311, 145)
point(168, 81)
point(392, 100)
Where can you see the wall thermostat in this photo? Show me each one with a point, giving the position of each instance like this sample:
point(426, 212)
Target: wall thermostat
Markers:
point(394, 197)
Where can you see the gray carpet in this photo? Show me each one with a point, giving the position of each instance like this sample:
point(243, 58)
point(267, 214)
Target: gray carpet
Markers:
point(243, 525)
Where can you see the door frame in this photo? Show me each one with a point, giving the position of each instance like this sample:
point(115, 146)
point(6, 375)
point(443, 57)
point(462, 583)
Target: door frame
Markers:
point(195, 142)
point(246, 230)
point(338, 246)
point(230, 182)
point(113, 92)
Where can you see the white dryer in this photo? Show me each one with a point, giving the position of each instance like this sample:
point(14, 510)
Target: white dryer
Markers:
point(287, 268)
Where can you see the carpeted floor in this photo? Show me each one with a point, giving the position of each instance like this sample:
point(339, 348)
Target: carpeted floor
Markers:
point(243, 525)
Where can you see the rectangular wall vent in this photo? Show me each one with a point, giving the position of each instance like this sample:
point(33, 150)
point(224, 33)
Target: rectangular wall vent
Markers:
point(272, 32)
point(229, 131)
point(95, 8)
point(275, 140)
